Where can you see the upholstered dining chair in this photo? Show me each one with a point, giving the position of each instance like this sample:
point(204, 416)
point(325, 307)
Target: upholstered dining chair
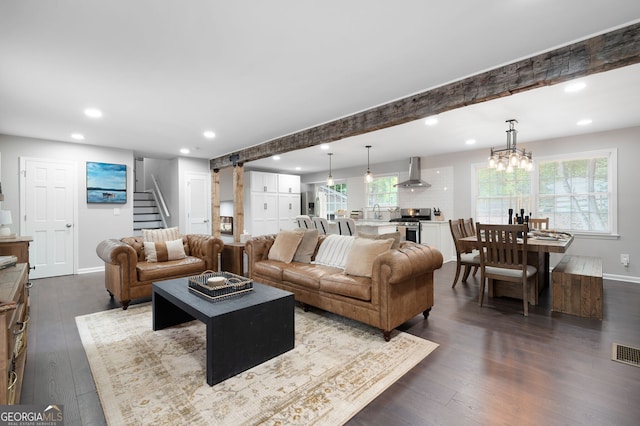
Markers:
point(539, 223)
point(346, 226)
point(304, 221)
point(503, 257)
point(464, 257)
point(321, 225)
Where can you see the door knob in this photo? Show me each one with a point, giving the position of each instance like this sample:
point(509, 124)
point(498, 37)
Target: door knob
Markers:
point(68, 225)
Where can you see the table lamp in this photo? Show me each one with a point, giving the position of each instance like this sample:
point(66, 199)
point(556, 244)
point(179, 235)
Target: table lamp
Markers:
point(5, 219)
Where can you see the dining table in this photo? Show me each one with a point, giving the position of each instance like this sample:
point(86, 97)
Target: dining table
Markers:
point(538, 253)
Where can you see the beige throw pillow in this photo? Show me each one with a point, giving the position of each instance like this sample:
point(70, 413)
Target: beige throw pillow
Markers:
point(164, 251)
point(394, 235)
point(362, 255)
point(307, 246)
point(159, 235)
point(285, 246)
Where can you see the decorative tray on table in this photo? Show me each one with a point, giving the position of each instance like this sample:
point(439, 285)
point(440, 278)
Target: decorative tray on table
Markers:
point(216, 286)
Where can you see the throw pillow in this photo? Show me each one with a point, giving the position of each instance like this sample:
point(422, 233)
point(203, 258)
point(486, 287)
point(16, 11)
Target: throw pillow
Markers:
point(285, 246)
point(307, 246)
point(159, 235)
point(362, 255)
point(394, 235)
point(164, 250)
point(334, 250)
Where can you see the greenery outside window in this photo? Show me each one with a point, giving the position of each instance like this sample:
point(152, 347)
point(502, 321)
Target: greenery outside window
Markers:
point(382, 191)
point(577, 192)
point(498, 191)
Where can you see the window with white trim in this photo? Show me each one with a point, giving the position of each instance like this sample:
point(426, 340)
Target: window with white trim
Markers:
point(576, 191)
point(382, 191)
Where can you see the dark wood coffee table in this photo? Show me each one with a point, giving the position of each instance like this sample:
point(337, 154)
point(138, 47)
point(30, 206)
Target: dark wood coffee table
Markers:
point(242, 331)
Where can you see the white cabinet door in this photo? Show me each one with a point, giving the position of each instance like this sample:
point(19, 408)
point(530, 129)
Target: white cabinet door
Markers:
point(288, 209)
point(264, 214)
point(288, 184)
point(263, 182)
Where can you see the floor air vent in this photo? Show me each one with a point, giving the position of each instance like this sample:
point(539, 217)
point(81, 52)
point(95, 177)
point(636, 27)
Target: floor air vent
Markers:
point(625, 354)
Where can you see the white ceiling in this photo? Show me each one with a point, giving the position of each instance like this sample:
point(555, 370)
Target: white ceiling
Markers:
point(163, 72)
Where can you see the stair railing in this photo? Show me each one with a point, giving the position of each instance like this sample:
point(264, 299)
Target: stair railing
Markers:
point(157, 196)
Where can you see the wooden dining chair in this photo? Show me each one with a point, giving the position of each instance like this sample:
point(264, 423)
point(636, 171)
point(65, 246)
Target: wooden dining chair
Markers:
point(304, 222)
point(503, 257)
point(464, 256)
point(539, 223)
point(321, 224)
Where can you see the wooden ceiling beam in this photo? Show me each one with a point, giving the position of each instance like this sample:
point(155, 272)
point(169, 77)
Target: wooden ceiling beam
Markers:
point(601, 53)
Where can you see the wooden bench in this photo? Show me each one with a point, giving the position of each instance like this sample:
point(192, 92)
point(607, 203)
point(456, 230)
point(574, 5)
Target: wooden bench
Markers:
point(577, 286)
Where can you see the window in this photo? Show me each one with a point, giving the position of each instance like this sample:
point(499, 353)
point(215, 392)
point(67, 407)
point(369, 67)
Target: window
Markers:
point(497, 192)
point(330, 199)
point(382, 191)
point(577, 192)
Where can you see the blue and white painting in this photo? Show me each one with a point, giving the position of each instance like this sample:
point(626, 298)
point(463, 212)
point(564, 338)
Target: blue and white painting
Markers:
point(106, 183)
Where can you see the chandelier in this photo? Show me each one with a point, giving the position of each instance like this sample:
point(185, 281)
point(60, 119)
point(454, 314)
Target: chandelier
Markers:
point(509, 158)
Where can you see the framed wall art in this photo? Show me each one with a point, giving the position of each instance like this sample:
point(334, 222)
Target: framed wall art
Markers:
point(106, 183)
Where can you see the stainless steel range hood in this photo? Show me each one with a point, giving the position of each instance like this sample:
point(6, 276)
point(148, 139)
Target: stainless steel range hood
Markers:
point(414, 176)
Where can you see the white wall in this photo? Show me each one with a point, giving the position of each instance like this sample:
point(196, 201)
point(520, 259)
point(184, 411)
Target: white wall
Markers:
point(96, 222)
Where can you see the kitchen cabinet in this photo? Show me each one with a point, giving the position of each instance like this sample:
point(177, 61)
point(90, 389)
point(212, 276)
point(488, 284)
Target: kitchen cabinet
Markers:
point(271, 203)
point(288, 184)
point(438, 235)
point(288, 209)
point(263, 182)
point(264, 213)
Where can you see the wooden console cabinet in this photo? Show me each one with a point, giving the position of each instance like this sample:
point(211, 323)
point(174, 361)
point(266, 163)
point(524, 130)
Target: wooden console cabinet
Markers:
point(14, 321)
point(17, 246)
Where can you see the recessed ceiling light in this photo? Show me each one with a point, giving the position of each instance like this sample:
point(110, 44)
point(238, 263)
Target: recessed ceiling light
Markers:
point(470, 141)
point(584, 122)
point(93, 113)
point(276, 157)
point(324, 146)
point(77, 136)
point(430, 121)
point(185, 150)
point(209, 134)
point(298, 168)
point(575, 87)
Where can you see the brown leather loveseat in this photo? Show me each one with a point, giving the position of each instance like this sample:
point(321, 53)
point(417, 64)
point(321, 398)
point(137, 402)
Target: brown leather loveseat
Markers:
point(399, 285)
point(129, 275)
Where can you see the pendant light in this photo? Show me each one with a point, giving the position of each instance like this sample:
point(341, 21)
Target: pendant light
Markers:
point(368, 177)
point(510, 157)
point(330, 178)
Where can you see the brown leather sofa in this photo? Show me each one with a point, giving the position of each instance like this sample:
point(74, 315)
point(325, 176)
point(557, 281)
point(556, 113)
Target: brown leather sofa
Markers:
point(400, 286)
point(129, 276)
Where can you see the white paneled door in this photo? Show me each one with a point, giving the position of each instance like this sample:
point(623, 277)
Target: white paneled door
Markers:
point(198, 203)
point(48, 205)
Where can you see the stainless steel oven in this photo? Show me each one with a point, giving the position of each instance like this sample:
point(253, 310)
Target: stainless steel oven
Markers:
point(409, 222)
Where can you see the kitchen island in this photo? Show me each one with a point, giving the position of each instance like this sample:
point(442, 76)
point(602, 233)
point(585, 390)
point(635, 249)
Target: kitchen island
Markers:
point(372, 226)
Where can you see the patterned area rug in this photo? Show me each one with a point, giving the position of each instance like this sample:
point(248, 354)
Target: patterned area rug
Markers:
point(337, 367)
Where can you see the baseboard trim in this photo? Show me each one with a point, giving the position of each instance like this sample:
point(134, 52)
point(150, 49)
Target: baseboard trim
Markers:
point(625, 278)
point(90, 270)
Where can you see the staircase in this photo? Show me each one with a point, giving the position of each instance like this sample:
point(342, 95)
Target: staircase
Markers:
point(146, 214)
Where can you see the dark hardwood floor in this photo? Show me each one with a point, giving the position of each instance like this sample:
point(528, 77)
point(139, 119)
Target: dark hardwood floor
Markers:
point(493, 366)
